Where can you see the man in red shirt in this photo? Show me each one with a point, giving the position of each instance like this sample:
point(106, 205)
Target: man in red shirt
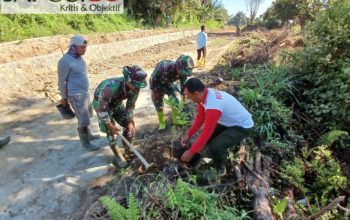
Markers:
point(225, 123)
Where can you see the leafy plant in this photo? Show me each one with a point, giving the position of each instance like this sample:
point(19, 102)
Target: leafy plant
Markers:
point(280, 207)
point(329, 175)
point(294, 172)
point(249, 96)
point(193, 203)
point(330, 137)
point(179, 115)
point(323, 67)
point(118, 212)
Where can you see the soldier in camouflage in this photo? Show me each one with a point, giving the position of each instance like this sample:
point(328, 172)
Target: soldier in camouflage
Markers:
point(162, 82)
point(108, 104)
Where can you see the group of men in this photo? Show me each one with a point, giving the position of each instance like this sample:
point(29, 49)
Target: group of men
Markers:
point(224, 120)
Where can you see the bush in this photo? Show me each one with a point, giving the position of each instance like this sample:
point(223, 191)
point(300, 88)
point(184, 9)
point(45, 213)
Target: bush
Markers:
point(324, 67)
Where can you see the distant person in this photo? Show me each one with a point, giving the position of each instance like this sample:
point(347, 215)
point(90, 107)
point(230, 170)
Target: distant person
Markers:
point(201, 46)
point(4, 141)
point(162, 82)
point(108, 104)
point(224, 121)
point(238, 30)
point(73, 84)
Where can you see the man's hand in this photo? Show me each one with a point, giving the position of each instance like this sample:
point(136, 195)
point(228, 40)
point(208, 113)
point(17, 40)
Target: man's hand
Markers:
point(64, 102)
point(184, 140)
point(131, 129)
point(113, 128)
point(187, 156)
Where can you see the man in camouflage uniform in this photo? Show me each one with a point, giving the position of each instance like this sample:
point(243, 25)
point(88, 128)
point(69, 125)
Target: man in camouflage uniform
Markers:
point(108, 104)
point(162, 82)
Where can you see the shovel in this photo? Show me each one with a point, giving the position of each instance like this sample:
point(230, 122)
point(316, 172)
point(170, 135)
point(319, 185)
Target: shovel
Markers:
point(143, 160)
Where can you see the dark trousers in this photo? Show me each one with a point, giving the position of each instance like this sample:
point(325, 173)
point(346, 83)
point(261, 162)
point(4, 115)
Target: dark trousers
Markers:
point(224, 138)
point(200, 51)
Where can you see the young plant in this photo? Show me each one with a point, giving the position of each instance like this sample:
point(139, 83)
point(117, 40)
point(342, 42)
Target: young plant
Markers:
point(179, 115)
point(280, 207)
point(118, 212)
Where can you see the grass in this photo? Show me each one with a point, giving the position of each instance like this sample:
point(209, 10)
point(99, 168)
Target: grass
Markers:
point(18, 27)
point(23, 26)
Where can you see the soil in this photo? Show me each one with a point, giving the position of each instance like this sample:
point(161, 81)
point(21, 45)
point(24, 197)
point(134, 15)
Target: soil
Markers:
point(44, 172)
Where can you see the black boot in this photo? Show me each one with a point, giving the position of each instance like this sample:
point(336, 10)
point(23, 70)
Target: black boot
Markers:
point(93, 136)
point(85, 139)
point(4, 141)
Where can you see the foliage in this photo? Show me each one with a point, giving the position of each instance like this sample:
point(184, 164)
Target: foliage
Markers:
point(280, 207)
point(294, 172)
point(177, 13)
point(329, 177)
point(138, 14)
point(324, 68)
point(179, 114)
point(298, 10)
point(330, 137)
point(21, 26)
point(326, 171)
point(193, 203)
point(118, 212)
point(239, 19)
point(272, 118)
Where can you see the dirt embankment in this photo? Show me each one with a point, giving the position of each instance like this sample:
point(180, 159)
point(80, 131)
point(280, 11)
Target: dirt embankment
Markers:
point(22, 49)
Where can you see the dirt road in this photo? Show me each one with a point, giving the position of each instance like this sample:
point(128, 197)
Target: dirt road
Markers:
point(44, 173)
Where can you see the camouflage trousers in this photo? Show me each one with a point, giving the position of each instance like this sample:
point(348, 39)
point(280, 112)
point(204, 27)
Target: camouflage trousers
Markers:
point(158, 93)
point(117, 114)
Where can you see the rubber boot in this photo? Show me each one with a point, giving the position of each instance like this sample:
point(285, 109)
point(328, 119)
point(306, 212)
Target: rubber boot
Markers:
point(85, 139)
point(4, 141)
point(162, 123)
point(93, 136)
point(119, 158)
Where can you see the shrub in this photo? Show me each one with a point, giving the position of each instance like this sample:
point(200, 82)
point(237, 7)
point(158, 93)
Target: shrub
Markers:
point(324, 67)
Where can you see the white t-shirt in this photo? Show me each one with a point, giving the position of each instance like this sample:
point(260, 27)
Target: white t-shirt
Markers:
point(233, 112)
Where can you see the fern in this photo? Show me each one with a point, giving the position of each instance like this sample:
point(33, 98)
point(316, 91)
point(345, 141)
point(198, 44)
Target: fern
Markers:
point(117, 212)
point(330, 137)
point(280, 207)
point(133, 211)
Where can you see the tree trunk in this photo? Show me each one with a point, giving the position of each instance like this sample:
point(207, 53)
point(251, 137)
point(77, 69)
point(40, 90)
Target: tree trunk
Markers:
point(258, 178)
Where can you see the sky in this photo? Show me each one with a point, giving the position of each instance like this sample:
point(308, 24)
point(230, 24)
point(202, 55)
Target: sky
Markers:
point(234, 6)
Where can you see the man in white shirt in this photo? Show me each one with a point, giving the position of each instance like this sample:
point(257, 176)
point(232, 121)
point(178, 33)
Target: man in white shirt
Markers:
point(201, 44)
point(224, 120)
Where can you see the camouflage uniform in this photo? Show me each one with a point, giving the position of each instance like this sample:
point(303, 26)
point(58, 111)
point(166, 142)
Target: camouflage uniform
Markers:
point(108, 104)
point(162, 82)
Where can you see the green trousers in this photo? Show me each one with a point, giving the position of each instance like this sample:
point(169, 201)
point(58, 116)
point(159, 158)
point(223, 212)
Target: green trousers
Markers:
point(224, 138)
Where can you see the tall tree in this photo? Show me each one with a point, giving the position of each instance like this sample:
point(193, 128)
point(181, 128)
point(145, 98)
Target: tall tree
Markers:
point(238, 19)
point(298, 10)
point(252, 8)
